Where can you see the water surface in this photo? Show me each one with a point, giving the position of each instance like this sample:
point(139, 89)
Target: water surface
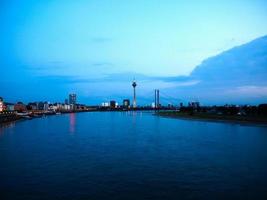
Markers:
point(131, 155)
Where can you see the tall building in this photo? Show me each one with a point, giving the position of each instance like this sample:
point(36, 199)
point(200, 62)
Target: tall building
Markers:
point(134, 97)
point(72, 99)
point(126, 103)
point(157, 104)
point(112, 104)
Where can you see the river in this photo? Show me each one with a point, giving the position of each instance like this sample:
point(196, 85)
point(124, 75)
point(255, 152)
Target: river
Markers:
point(131, 155)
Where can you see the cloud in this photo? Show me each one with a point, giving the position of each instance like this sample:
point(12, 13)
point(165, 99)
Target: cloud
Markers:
point(188, 83)
point(249, 90)
point(124, 77)
point(173, 78)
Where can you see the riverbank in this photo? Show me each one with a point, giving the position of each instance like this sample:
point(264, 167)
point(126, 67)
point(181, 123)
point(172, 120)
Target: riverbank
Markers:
point(8, 117)
point(262, 120)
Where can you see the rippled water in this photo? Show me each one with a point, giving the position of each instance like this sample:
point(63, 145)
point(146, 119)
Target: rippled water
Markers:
point(127, 155)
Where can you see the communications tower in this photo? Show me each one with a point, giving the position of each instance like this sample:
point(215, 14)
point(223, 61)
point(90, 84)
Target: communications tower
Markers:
point(134, 95)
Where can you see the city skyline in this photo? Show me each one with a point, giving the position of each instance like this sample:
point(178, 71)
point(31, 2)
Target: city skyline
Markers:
point(94, 49)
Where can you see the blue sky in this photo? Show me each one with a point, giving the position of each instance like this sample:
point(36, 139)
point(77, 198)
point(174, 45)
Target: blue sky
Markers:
point(95, 47)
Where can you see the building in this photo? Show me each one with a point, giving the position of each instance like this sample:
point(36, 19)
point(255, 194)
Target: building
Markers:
point(32, 106)
point(46, 105)
point(112, 104)
point(66, 101)
point(1, 104)
point(157, 103)
point(51, 107)
point(40, 106)
point(170, 105)
point(72, 106)
point(58, 106)
point(126, 103)
point(20, 107)
point(105, 104)
point(66, 106)
point(9, 106)
point(72, 99)
point(194, 104)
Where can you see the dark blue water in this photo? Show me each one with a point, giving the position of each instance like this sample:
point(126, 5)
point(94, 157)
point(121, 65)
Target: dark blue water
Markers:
point(130, 155)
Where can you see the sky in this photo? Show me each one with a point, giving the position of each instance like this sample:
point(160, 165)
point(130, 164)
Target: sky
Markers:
point(95, 48)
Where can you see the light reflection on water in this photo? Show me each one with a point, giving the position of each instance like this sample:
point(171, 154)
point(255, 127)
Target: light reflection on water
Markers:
point(9, 125)
point(72, 122)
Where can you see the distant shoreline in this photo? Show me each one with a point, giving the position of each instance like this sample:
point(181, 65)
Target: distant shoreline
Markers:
point(12, 117)
point(249, 120)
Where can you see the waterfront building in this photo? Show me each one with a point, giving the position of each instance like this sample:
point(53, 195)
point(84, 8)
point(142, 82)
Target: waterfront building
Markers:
point(20, 107)
point(58, 106)
point(126, 103)
point(112, 104)
point(32, 106)
point(40, 105)
point(72, 99)
point(46, 105)
point(1, 104)
point(9, 106)
point(105, 104)
point(52, 107)
point(66, 106)
point(72, 106)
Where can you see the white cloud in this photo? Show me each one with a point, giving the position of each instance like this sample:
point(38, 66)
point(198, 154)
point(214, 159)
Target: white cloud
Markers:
point(249, 90)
